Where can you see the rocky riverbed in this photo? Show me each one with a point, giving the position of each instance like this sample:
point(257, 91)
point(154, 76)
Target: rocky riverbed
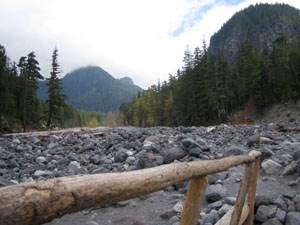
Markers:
point(37, 156)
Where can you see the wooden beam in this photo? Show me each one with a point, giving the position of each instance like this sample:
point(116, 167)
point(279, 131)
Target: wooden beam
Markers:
point(238, 207)
point(43, 201)
point(193, 202)
point(252, 191)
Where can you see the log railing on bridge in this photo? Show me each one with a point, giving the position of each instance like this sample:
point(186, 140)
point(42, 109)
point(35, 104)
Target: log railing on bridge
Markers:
point(43, 201)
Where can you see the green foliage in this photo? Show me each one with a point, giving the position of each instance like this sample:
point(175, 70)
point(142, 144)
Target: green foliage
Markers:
point(207, 90)
point(55, 97)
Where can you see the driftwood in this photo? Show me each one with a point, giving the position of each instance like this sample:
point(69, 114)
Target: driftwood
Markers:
point(43, 201)
point(193, 202)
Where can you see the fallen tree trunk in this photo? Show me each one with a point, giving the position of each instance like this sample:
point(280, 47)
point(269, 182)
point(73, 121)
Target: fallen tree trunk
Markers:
point(43, 201)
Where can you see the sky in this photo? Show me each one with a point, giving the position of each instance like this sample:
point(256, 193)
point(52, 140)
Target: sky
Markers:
point(142, 39)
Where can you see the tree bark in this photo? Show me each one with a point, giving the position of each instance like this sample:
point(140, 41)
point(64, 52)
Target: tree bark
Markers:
point(43, 201)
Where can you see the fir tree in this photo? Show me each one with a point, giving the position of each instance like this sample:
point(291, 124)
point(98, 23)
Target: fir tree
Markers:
point(55, 97)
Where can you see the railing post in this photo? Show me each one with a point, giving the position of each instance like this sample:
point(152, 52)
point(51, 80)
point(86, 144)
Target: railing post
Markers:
point(252, 191)
point(193, 202)
point(238, 207)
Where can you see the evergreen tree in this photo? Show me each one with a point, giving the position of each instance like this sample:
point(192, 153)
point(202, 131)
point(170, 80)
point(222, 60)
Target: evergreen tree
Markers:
point(55, 97)
point(29, 72)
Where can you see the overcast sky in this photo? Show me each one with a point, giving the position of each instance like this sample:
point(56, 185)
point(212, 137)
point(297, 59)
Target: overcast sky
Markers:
point(142, 39)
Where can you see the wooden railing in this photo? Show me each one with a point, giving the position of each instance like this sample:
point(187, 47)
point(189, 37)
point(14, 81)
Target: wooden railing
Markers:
point(43, 201)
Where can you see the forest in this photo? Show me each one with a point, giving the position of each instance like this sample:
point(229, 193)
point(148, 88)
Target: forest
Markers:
point(21, 110)
point(208, 89)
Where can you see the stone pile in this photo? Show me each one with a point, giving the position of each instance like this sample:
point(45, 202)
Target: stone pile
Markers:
point(27, 158)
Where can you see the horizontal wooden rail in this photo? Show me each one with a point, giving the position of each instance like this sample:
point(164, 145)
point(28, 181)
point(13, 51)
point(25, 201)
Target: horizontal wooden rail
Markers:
point(43, 201)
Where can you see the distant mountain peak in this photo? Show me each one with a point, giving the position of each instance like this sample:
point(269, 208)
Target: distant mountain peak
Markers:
point(265, 21)
point(126, 80)
point(92, 88)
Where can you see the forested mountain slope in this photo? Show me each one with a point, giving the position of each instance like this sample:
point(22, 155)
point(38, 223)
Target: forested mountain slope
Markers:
point(93, 89)
point(264, 21)
point(252, 62)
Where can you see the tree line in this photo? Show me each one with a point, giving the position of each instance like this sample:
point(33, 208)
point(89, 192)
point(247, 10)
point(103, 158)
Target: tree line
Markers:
point(21, 109)
point(208, 89)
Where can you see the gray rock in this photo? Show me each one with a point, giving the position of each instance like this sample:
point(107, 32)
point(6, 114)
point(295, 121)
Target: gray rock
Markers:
point(265, 140)
point(168, 214)
point(266, 153)
point(296, 155)
point(91, 223)
point(262, 200)
point(121, 156)
point(173, 220)
point(280, 215)
point(39, 173)
point(212, 217)
point(298, 207)
point(144, 162)
point(13, 163)
point(215, 205)
point(272, 221)
point(173, 153)
point(252, 140)
point(4, 182)
point(196, 151)
point(40, 159)
point(230, 200)
point(130, 160)
point(21, 148)
point(152, 139)
point(292, 218)
point(51, 145)
point(224, 209)
point(234, 150)
point(280, 203)
point(189, 143)
point(159, 160)
point(178, 207)
point(74, 166)
point(262, 213)
point(271, 167)
point(296, 199)
point(96, 159)
point(290, 169)
point(215, 193)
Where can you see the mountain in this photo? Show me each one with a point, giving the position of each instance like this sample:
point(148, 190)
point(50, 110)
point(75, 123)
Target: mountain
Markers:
point(92, 88)
point(265, 21)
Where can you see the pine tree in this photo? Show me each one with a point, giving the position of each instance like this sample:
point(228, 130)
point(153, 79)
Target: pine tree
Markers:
point(55, 97)
point(29, 72)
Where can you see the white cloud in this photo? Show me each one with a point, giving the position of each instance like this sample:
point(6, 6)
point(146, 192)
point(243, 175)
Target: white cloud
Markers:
point(127, 38)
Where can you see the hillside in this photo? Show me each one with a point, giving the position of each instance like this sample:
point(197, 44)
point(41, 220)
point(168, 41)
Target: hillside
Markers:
point(265, 21)
point(213, 85)
point(93, 89)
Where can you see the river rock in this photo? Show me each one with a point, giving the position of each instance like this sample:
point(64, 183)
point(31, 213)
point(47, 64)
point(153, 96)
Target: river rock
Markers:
point(215, 193)
point(272, 221)
point(262, 213)
point(173, 153)
point(292, 218)
point(271, 167)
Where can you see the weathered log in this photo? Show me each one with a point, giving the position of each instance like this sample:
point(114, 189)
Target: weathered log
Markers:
point(252, 191)
point(193, 202)
point(240, 202)
point(43, 201)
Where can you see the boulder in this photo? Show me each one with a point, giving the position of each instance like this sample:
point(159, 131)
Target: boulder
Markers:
point(173, 153)
point(271, 167)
